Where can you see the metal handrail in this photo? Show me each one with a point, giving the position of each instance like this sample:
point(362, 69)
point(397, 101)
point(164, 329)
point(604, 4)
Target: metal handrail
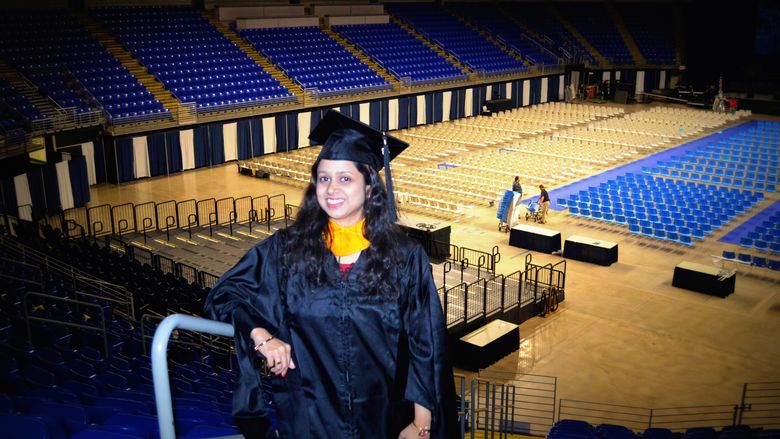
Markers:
point(162, 384)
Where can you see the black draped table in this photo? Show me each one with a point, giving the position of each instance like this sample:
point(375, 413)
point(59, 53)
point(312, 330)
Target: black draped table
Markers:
point(486, 345)
point(704, 279)
point(434, 237)
point(583, 248)
point(535, 238)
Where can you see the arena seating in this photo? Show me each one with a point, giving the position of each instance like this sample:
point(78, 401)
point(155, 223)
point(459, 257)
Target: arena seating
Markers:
point(661, 208)
point(314, 60)
point(400, 53)
point(642, 19)
point(193, 59)
point(539, 18)
point(595, 24)
point(21, 113)
point(748, 159)
point(59, 55)
point(61, 386)
point(456, 39)
point(575, 428)
point(500, 27)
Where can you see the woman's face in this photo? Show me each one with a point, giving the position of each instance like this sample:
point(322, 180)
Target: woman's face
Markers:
point(341, 191)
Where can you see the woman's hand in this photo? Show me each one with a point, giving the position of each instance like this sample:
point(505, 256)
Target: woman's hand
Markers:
point(413, 432)
point(278, 354)
point(420, 427)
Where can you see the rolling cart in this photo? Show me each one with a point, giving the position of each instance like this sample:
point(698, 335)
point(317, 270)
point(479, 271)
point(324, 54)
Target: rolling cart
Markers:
point(507, 210)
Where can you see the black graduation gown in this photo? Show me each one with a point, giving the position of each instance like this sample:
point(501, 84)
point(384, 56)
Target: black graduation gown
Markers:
point(361, 360)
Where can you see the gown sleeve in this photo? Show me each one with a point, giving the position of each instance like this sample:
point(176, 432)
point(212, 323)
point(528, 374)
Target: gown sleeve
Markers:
point(430, 381)
point(247, 296)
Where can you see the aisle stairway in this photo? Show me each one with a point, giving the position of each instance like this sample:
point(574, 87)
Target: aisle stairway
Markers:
point(628, 39)
point(434, 47)
point(26, 89)
point(679, 32)
point(253, 54)
point(361, 56)
point(600, 59)
point(503, 47)
point(149, 81)
point(539, 39)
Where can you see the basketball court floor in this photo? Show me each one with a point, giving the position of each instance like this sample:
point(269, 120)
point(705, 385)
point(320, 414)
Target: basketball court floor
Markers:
point(624, 334)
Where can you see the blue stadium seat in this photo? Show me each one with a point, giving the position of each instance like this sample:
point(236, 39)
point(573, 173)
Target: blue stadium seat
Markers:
point(92, 433)
point(23, 427)
point(611, 431)
point(208, 431)
point(138, 425)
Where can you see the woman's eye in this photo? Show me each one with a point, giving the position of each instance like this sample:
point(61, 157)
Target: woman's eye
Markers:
point(324, 179)
point(345, 179)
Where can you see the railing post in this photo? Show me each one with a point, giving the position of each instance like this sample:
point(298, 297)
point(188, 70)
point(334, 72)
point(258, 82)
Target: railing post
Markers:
point(162, 385)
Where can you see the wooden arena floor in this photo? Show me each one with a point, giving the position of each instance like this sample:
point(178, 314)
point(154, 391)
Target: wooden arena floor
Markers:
point(624, 335)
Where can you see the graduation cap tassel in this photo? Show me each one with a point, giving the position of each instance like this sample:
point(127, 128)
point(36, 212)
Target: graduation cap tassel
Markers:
point(388, 178)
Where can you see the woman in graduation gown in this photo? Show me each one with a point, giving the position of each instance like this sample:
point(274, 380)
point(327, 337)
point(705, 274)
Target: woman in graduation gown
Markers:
point(342, 307)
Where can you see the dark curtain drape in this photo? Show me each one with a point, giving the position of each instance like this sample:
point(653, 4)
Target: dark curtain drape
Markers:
point(438, 106)
point(375, 115)
point(124, 159)
point(38, 192)
point(517, 94)
point(79, 182)
point(256, 130)
point(404, 110)
point(100, 161)
point(412, 111)
point(8, 196)
point(384, 118)
point(173, 148)
point(243, 140)
point(292, 131)
point(200, 140)
point(552, 88)
point(217, 144)
point(281, 132)
point(429, 108)
point(316, 117)
point(155, 144)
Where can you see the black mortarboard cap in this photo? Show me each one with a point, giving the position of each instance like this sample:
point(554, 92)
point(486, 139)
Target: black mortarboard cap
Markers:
point(344, 138)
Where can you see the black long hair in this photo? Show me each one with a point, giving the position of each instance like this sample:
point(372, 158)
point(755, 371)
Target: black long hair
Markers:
point(305, 239)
